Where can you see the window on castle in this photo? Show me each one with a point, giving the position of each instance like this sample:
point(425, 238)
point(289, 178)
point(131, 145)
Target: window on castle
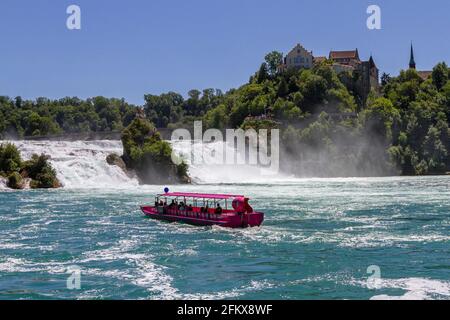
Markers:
point(299, 60)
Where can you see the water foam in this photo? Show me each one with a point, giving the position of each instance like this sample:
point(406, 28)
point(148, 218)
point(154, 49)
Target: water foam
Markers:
point(81, 164)
point(3, 183)
point(416, 289)
point(413, 288)
point(210, 166)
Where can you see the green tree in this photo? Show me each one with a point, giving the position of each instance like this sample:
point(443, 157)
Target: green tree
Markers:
point(435, 152)
point(313, 89)
point(263, 74)
point(10, 159)
point(217, 118)
point(283, 89)
point(15, 181)
point(440, 75)
point(273, 61)
point(379, 118)
point(385, 79)
point(149, 155)
point(41, 172)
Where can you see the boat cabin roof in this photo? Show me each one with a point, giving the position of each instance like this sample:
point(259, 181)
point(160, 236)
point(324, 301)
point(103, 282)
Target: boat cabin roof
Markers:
point(200, 195)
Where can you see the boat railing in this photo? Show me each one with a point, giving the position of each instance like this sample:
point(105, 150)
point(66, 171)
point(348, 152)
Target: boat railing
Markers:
point(194, 213)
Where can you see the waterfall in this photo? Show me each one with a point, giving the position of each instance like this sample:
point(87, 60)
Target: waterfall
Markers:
point(212, 169)
point(3, 183)
point(81, 164)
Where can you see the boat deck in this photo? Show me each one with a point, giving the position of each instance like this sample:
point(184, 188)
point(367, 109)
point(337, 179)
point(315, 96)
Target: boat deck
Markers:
point(228, 218)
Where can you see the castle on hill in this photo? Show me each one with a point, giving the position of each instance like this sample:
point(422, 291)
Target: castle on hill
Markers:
point(366, 72)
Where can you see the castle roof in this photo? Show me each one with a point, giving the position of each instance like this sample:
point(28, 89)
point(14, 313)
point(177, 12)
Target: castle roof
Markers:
point(424, 74)
point(412, 62)
point(350, 54)
point(299, 47)
point(319, 59)
point(372, 62)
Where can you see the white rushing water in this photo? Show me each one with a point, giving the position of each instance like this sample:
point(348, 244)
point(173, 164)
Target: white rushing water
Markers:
point(394, 221)
point(3, 183)
point(210, 165)
point(81, 164)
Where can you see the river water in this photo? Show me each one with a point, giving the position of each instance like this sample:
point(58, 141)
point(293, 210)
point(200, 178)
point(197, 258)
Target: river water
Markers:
point(321, 239)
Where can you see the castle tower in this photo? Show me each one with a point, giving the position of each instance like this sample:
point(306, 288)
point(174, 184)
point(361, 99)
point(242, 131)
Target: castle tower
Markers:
point(412, 62)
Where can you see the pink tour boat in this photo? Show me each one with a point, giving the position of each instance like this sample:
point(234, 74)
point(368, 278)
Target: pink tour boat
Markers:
point(201, 209)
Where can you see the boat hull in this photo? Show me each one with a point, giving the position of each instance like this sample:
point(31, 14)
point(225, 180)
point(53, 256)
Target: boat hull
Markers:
point(226, 220)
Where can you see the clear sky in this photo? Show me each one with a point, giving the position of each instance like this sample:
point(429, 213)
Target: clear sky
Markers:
point(130, 48)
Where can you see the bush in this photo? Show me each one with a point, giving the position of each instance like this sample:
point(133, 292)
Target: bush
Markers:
point(15, 181)
point(182, 169)
point(136, 135)
point(41, 172)
point(10, 160)
point(149, 155)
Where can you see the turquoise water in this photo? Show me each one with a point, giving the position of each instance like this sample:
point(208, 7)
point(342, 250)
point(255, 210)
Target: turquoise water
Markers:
point(319, 238)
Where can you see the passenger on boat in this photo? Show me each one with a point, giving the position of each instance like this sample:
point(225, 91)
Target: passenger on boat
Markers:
point(172, 204)
point(219, 209)
point(189, 208)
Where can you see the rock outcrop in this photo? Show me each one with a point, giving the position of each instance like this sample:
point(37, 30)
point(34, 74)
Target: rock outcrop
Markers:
point(116, 160)
point(151, 157)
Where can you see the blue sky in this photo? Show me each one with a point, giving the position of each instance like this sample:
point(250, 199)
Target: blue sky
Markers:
point(130, 48)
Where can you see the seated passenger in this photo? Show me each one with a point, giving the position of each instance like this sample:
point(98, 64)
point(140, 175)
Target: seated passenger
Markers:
point(219, 209)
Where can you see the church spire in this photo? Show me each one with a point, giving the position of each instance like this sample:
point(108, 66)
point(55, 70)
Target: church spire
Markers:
point(412, 62)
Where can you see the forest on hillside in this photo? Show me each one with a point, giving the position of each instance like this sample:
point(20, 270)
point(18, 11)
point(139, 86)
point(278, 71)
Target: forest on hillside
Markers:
point(326, 128)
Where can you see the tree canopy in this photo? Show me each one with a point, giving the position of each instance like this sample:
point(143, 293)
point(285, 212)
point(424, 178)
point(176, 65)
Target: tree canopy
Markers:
point(326, 125)
point(43, 117)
